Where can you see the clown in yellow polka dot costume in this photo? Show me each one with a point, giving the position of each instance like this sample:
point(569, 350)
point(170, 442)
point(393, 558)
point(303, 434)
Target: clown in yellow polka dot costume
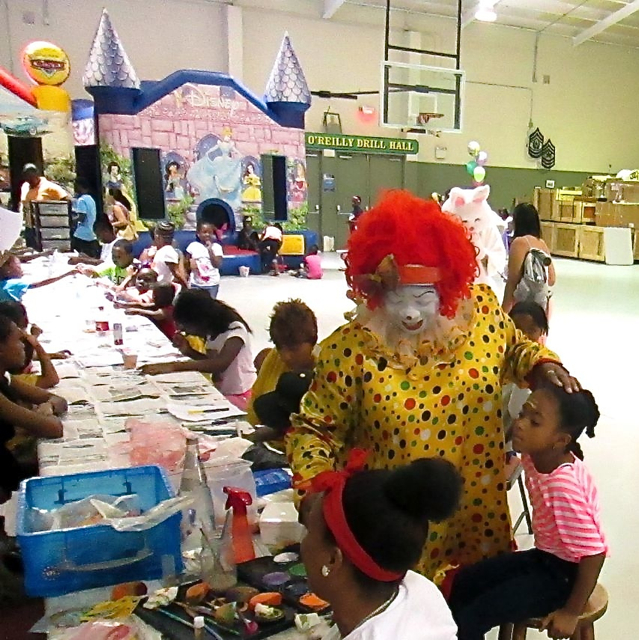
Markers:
point(438, 393)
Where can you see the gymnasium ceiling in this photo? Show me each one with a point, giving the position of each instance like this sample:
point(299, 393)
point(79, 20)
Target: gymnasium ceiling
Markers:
point(609, 21)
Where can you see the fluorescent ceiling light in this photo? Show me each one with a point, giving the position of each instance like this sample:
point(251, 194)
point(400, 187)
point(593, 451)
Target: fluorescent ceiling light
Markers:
point(485, 14)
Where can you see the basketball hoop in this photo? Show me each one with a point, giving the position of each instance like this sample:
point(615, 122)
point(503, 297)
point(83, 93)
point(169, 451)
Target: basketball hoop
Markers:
point(425, 118)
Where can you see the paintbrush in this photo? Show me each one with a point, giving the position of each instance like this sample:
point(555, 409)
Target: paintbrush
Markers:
point(188, 624)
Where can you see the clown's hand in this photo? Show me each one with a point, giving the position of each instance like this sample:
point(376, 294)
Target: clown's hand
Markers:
point(554, 373)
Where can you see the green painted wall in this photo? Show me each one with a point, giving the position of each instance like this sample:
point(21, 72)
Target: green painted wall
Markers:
point(505, 184)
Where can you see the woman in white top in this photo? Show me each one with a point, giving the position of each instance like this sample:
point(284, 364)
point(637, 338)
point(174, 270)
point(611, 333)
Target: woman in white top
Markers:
point(365, 531)
point(526, 236)
point(228, 354)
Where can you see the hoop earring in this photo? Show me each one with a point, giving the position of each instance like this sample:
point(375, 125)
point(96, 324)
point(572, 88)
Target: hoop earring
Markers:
point(325, 571)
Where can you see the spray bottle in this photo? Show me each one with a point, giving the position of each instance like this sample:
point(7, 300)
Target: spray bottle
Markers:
point(238, 501)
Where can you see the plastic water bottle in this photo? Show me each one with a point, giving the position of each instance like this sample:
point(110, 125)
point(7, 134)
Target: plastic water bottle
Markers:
point(118, 334)
point(199, 518)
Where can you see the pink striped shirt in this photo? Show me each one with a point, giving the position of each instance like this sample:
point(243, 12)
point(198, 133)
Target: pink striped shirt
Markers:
point(565, 511)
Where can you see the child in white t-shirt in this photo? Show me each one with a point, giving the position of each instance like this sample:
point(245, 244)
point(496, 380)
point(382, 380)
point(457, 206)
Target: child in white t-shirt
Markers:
point(205, 259)
point(228, 356)
point(166, 261)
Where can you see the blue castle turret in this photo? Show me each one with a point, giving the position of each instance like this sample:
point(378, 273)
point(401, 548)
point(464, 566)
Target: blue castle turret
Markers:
point(109, 75)
point(287, 93)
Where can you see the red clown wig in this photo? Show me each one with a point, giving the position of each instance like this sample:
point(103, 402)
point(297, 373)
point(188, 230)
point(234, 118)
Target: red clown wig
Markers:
point(414, 232)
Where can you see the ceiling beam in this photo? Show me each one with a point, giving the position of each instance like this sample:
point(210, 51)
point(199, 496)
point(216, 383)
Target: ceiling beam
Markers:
point(331, 7)
point(602, 25)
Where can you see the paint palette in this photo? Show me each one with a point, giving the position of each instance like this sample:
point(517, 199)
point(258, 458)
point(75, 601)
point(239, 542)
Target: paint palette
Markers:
point(285, 574)
point(174, 630)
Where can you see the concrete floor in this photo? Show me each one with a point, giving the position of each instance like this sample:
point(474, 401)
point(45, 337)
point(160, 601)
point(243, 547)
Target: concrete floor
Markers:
point(595, 330)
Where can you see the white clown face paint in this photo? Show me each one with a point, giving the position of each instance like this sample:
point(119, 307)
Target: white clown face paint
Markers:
point(412, 308)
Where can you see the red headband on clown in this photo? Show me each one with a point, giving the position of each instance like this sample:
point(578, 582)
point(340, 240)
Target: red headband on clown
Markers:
point(405, 240)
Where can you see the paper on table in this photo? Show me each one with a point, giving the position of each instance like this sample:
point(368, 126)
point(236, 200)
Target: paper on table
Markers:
point(189, 413)
point(121, 393)
point(74, 395)
point(182, 377)
point(67, 370)
point(101, 360)
point(133, 408)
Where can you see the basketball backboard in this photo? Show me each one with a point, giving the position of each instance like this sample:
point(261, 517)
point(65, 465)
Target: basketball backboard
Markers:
point(421, 99)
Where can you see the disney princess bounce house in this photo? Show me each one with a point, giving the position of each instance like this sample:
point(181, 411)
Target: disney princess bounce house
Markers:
point(198, 144)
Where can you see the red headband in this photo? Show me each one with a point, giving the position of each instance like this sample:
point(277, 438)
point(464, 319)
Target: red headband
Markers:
point(332, 484)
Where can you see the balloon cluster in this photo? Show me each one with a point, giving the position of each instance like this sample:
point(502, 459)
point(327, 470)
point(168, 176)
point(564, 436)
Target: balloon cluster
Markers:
point(477, 166)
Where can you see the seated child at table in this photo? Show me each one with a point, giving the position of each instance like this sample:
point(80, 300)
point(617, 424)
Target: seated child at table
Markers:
point(140, 294)
point(553, 580)
point(293, 331)
point(120, 270)
point(13, 285)
point(366, 530)
point(41, 421)
point(161, 311)
point(107, 238)
point(228, 356)
point(48, 377)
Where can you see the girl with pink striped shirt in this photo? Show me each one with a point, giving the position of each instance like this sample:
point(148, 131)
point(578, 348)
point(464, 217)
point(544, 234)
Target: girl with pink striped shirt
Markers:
point(554, 580)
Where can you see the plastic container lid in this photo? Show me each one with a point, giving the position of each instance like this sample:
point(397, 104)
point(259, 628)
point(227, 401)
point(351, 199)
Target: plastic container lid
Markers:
point(198, 622)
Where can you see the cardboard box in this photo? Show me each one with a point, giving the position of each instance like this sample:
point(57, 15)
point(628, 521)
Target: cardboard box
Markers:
point(622, 191)
point(617, 214)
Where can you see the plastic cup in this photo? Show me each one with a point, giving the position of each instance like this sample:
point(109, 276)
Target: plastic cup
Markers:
point(130, 360)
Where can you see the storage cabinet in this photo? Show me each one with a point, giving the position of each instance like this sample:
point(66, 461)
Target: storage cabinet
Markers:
point(591, 243)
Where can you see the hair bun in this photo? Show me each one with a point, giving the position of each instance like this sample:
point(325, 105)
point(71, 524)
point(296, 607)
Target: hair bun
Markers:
point(426, 489)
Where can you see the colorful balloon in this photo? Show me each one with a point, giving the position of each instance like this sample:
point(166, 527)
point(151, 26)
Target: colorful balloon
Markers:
point(479, 174)
point(482, 158)
point(470, 167)
point(474, 148)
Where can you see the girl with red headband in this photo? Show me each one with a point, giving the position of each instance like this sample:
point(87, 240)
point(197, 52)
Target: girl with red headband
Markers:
point(418, 371)
point(365, 532)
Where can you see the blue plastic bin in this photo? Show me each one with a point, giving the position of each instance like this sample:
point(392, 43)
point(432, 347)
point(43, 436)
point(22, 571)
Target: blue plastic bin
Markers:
point(271, 481)
point(68, 560)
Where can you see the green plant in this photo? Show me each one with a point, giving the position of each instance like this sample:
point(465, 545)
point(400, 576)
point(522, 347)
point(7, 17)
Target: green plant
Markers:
point(296, 217)
point(176, 211)
point(61, 169)
point(255, 211)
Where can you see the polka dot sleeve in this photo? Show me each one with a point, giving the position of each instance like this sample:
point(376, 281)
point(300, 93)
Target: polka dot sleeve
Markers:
point(320, 432)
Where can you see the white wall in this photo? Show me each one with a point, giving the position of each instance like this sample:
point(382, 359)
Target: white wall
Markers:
point(159, 36)
point(587, 109)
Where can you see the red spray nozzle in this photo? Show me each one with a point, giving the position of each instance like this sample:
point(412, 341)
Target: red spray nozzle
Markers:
point(238, 499)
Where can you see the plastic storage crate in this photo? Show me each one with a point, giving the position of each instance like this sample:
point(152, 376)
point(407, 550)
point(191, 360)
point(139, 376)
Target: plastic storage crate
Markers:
point(67, 560)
